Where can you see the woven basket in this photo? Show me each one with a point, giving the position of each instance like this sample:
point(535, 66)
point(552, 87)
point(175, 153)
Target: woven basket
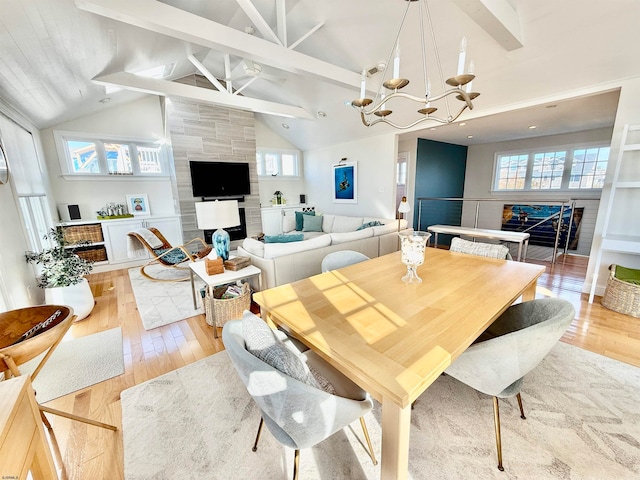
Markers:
point(98, 254)
point(219, 311)
point(76, 233)
point(622, 297)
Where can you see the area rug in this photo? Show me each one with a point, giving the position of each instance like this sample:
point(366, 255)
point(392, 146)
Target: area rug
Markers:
point(78, 363)
point(161, 303)
point(583, 422)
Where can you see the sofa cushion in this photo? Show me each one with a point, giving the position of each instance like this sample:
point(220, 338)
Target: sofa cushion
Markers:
point(253, 246)
point(384, 229)
point(343, 224)
point(327, 222)
point(273, 250)
point(337, 238)
point(288, 222)
point(291, 237)
point(300, 219)
point(311, 223)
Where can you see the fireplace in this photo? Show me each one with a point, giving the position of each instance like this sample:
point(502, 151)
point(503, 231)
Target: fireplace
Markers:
point(236, 233)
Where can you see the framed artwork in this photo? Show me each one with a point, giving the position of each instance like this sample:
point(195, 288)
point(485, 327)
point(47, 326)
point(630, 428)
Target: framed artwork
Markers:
point(541, 221)
point(138, 205)
point(345, 187)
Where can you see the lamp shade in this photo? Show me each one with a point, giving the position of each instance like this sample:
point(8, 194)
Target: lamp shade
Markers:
point(404, 206)
point(217, 214)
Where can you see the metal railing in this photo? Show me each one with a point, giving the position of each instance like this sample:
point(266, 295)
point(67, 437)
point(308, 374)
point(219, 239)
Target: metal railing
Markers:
point(451, 213)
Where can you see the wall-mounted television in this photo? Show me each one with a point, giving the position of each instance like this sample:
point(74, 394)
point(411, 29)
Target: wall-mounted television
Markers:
point(219, 179)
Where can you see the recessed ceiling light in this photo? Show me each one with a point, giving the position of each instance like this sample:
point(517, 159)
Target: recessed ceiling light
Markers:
point(285, 126)
point(104, 100)
point(432, 129)
point(321, 114)
point(469, 136)
point(462, 124)
point(532, 127)
point(551, 106)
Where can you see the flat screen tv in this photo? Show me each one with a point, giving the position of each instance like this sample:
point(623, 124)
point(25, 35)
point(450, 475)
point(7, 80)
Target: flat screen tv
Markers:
point(219, 179)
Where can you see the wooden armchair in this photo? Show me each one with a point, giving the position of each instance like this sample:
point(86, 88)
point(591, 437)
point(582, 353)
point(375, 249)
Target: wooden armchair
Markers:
point(163, 253)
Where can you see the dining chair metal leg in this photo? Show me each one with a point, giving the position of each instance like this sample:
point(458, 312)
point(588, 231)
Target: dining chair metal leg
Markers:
point(296, 464)
point(255, 445)
point(496, 419)
point(366, 436)
point(519, 397)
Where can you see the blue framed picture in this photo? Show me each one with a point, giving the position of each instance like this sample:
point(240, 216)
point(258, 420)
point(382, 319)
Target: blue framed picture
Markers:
point(345, 188)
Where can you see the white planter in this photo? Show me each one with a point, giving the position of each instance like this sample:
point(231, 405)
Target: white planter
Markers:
point(78, 297)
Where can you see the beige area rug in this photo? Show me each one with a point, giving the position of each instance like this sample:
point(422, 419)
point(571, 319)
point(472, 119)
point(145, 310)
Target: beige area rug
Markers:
point(583, 422)
point(161, 303)
point(78, 363)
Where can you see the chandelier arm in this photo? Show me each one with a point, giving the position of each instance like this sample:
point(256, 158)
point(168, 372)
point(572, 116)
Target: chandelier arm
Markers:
point(416, 99)
point(413, 124)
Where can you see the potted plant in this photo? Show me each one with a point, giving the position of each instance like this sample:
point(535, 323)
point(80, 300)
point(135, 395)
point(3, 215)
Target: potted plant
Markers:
point(62, 274)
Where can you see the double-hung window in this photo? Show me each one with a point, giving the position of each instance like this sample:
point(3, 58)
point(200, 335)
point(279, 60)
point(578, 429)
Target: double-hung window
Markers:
point(278, 162)
point(82, 154)
point(553, 169)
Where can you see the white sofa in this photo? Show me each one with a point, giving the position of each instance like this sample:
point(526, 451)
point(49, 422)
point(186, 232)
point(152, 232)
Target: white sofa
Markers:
point(287, 262)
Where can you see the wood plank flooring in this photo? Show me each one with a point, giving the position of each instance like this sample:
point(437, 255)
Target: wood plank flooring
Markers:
point(85, 452)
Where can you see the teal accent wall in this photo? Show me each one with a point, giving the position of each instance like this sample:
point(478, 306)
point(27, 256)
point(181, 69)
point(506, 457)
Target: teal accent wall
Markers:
point(440, 172)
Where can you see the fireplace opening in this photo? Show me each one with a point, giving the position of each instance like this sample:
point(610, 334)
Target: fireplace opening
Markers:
point(236, 233)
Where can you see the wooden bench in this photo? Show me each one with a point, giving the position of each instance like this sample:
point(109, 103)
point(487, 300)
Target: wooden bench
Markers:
point(522, 239)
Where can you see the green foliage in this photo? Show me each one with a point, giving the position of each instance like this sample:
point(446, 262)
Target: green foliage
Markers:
point(61, 266)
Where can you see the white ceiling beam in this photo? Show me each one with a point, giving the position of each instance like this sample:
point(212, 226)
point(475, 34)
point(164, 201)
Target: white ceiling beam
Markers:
point(227, 73)
point(497, 18)
point(167, 20)
point(281, 21)
point(208, 75)
point(155, 86)
point(258, 20)
point(306, 35)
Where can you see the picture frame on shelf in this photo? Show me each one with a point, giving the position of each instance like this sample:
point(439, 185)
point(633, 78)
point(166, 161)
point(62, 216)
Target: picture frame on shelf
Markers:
point(138, 204)
point(345, 183)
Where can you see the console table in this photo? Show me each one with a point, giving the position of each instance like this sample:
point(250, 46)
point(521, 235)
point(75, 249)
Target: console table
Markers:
point(522, 239)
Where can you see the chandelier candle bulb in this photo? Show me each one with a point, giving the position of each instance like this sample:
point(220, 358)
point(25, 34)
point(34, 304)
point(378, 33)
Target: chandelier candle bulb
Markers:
point(471, 68)
point(462, 55)
point(363, 83)
point(396, 62)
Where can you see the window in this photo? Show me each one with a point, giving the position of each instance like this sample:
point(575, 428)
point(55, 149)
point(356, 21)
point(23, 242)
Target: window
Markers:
point(574, 168)
point(79, 155)
point(272, 162)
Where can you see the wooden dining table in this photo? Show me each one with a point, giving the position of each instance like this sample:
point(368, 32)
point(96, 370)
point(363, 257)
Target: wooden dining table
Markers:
point(394, 339)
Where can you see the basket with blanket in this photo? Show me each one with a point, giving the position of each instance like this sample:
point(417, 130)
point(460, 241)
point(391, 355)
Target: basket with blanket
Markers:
point(623, 291)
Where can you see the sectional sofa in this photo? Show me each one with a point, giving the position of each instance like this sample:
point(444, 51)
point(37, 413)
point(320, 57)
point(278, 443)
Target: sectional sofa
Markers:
point(290, 261)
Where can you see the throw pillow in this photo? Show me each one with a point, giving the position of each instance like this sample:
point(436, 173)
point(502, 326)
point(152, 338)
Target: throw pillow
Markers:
point(311, 223)
point(299, 219)
point(375, 223)
point(630, 275)
point(293, 237)
point(263, 344)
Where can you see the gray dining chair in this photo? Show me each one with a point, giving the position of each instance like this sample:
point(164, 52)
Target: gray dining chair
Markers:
point(490, 250)
point(342, 258)
point(299, 413)
point(511, 347)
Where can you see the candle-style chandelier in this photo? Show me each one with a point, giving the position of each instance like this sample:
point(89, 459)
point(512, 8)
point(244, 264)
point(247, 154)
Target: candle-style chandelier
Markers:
point(460, 84)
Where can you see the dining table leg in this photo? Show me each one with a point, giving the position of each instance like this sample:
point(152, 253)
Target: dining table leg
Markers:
point(396, 425)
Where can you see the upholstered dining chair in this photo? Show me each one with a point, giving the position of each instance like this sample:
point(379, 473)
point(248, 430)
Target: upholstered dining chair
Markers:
point(480, 249)
point(163, 253)
point(342, 258)
point(297, 414)
point(511, 347)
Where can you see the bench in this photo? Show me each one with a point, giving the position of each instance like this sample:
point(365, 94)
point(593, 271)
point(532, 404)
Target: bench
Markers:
point(522, 239)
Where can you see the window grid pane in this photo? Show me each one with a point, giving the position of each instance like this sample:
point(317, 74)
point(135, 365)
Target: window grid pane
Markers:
point(149, 159)
point(589, 167)
point(547, 171)
point(512, 170)
point(84, 156)
point(288, 164)
point(118, 159)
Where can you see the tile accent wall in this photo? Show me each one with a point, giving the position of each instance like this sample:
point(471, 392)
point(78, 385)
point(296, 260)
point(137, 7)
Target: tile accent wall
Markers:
point(201, 131)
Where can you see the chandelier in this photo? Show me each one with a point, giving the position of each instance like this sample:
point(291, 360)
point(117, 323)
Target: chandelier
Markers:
point(373, 111)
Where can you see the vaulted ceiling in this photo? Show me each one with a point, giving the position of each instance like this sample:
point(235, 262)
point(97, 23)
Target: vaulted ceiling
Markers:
point(288, 60)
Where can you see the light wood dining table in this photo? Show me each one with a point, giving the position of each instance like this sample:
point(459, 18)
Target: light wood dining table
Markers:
point(394, 339)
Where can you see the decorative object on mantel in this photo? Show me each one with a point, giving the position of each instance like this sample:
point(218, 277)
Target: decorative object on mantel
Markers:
point(278, 199)
point(394, 84)
point(112, 211)
point(138, 204)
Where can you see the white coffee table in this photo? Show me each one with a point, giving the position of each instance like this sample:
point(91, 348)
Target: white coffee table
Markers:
point(228, 276)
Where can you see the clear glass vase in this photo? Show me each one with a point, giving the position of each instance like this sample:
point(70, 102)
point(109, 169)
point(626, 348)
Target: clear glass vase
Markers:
point(413, 245)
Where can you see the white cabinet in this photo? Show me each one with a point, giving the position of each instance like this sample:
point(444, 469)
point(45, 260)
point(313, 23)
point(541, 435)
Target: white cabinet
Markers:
point(116, 238)
point(621, 233)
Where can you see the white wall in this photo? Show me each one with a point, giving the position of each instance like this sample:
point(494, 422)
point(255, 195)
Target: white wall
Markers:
point(142, 120)
point(376, 160)
point(292, 188)
point(628, 113)
point(479, 178)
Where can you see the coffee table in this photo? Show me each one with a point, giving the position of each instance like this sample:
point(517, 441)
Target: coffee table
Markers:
point(229, 276)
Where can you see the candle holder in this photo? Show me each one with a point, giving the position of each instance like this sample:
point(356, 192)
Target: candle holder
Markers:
point(413, 245)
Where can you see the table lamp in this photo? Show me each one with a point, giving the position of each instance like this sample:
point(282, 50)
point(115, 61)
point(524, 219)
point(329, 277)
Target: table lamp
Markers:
point(218, 215)
point(403, 208)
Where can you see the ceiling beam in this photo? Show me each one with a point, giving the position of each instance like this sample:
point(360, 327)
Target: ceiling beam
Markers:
point(208, 75)
point(154, 86)
point(497, 18)
point(174, 22)
point(258, 20)
point(281, 21)
point(306, 35)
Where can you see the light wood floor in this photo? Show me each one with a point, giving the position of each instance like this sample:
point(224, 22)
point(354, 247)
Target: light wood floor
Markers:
point(91, 453)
